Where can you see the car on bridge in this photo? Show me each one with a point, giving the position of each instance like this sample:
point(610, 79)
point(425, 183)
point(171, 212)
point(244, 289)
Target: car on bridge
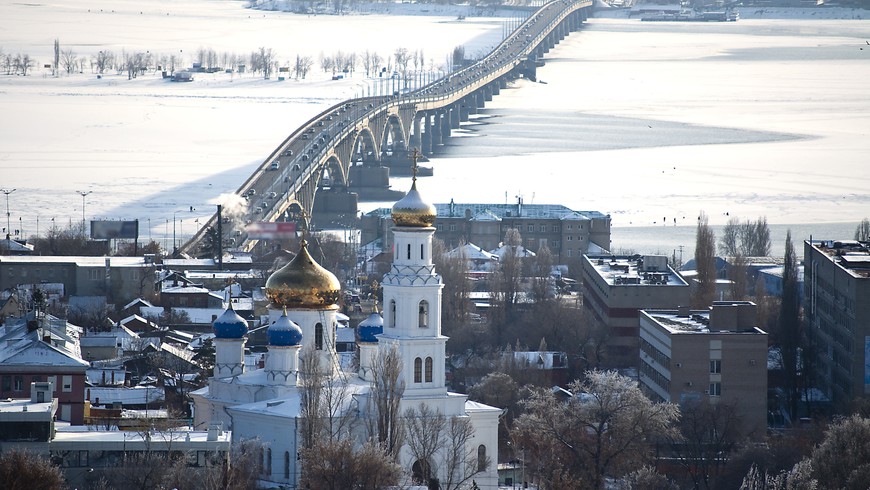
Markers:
point(275, 166)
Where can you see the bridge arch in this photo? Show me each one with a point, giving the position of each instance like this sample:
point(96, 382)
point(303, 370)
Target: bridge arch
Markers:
point(394, 139)
point(365, 147)
point(336, 170)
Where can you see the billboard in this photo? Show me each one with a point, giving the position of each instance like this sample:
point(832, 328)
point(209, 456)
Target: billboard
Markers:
point(111, 230)
point(269, 230)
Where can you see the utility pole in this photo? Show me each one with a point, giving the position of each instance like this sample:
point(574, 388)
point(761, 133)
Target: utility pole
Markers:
point(7, 192)
point(83, 194)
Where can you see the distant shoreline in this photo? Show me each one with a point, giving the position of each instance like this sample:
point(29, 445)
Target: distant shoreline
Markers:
point(785, 13)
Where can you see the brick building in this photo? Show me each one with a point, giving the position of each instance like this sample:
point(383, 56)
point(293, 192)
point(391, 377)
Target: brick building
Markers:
point(716, 355)
point(616, 288)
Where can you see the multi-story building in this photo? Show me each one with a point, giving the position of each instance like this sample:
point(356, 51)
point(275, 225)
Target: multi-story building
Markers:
point(837, 311)
point(616, 288)
point(716, 355)
point(121, 278)
point(568, 234)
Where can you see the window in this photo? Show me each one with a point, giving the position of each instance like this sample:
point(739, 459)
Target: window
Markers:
point(531, 228)
point(318, 336)
point(418, 370)
point(421, 252)
point(544, 228)
point(286, 465)
point(555, 228)
point(94, 274)
point(393, 313)
point(715, 366)
point(570, 227)
point(481, 458)
point(409, 251)
point(428, 369)
point(67, 384)
point(452, 227)
point(423, 321)
point(568, 252)
point(7, 383)
point(268, 461)
point(570, 237)
point(715, 389)
point(18, 383)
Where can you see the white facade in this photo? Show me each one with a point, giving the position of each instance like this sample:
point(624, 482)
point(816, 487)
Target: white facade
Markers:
point(257, 405)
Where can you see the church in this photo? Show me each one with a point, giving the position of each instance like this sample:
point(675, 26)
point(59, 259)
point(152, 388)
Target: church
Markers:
point(267, 404)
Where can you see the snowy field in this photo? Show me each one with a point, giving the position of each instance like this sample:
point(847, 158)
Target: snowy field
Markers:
point(151, 149)
point(651, 122)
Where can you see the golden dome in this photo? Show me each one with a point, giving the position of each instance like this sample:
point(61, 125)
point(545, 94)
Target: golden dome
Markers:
point(413, 211)
point(303, 283)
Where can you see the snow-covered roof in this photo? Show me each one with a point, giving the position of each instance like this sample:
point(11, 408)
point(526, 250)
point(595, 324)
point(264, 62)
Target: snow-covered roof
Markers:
point(519, 250)
point(139, 395)
point(471, 251)
point(114, 261)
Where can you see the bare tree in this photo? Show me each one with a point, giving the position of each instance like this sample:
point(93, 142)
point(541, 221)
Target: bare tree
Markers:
point(338, 465)
point(424, 430)
point(862, 232)
point(302, 66)
point(402, 57)
point(708, 434)
point(705, 264)
point(386, 396)
point(103, 61)
point(602, 431)
point(462, 461)
point(68, 60)
point(23, 470)
point(23, 63)
point(505, 286)
point(747, 238)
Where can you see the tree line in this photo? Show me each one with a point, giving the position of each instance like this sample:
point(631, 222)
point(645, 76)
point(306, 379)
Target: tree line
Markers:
point(263, 60)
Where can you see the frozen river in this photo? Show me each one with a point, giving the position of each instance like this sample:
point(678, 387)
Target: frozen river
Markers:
point(650, 122)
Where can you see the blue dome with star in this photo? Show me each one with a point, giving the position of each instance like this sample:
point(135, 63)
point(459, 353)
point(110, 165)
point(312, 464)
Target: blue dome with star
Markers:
point(230, 325)
point(284, 333)
point(369, 328)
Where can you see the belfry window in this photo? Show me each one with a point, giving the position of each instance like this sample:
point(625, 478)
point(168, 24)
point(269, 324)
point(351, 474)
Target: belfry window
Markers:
point(318, 336)
point(418, 370)
point(423, 321)
point(421, 252)
point(428, 369)
point(393, 313)
point(409, 251)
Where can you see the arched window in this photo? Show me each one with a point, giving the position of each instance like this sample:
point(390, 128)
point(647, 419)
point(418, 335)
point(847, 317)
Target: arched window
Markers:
point(423, 321)
point(262, 459)
point(286, 465)
point(268, 461)
point(418, 370)
point(428, 369)
point(318, 336)
point(393, 313)
point(421, 471)
point(481, 458)
point(409, 251)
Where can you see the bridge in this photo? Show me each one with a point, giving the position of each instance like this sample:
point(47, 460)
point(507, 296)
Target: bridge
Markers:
point(362, 131)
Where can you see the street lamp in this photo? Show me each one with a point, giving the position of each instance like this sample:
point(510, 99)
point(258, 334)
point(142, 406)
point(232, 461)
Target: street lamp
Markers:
point(7, 192)
point(83, 194)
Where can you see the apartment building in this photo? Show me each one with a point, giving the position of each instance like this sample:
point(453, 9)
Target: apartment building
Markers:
point(616, 288)
point(837, 311)
point(567, 233)
point(715, 355)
